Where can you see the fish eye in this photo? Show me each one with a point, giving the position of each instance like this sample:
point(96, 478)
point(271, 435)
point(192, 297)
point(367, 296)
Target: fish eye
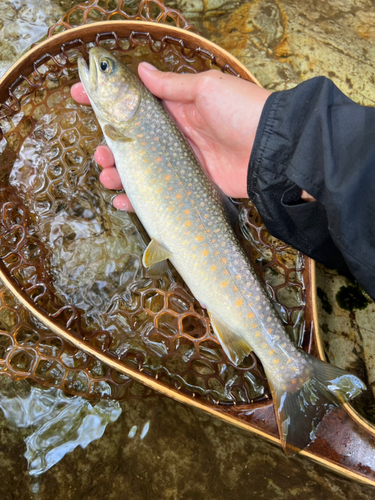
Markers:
point(105, 66)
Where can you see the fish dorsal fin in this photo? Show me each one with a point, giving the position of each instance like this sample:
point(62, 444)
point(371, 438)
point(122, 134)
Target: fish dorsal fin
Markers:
point(230, 208)
point(154, 253)
point(234, 346)
point(111, 132)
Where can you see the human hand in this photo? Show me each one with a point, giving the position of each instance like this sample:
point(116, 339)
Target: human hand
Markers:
point(218, 114)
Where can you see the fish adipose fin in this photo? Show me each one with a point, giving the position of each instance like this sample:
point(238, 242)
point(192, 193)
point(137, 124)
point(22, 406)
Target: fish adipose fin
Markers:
point(234, 346)
point(154, 253)
point(300, 411)
point(114, 134)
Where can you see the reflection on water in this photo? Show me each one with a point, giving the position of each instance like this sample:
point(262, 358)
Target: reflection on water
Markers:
point(58, 423)
point(22, 23)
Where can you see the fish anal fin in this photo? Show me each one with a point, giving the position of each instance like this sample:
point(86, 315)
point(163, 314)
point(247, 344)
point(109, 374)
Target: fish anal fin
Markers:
point(234, 346)
point(154, 253)
point(114, 134)
point(299, 411)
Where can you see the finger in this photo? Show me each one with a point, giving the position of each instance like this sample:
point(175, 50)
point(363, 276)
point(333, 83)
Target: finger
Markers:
point(122, 202)
point(79, 94)
point(104, 157)
point(110, 179)
point(169, 86)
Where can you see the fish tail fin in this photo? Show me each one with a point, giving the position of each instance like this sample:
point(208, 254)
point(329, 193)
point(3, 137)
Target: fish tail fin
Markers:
point(300, 411)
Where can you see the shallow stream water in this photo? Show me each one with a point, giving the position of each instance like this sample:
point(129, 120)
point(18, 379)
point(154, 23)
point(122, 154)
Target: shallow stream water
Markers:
point(155, 448)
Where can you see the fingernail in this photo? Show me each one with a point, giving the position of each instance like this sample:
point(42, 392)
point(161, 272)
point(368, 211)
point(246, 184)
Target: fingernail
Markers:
point(149, 66)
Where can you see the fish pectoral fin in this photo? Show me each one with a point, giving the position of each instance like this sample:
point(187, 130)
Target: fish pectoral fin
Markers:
point(154, 253)
point(111, 132)
point(235, 347)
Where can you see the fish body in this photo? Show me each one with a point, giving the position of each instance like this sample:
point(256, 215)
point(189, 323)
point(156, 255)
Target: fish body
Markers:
point(187, 221)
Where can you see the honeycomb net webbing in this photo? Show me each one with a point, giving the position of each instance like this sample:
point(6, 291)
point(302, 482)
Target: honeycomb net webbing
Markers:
point(80, 260)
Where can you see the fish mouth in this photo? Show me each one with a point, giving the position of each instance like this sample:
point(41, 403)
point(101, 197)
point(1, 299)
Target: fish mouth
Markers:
point(88, 74)
point(84, 74)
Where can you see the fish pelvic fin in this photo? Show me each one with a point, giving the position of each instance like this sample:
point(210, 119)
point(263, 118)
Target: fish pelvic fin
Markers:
point(234, 346)
point(155, 253)
point(299, 412)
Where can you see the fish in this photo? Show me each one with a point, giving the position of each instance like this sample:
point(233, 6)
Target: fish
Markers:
point(188, 220)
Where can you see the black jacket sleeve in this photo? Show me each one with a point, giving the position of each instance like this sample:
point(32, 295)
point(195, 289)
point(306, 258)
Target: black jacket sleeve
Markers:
point(315, 138)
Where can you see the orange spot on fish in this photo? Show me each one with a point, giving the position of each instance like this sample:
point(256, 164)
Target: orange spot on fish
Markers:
point(276, 361)
point(271, 352)
point(178, 196)
point(200, 238)
point(156, 138)
point(187, 212)
point(269, 330)
point(224, 261)
point(143, 143)
point(226, 271)
point(205, 253)
point(239, 302)
point(171, 209)
point(147, 171)
point(254, 325)
point(294, 369)
point(170, 188)
point(257, 334)
point(235, 288)
point(200, 226)
point(250, 315)
point(213, 241)
point(289, 360)
point(216, 253)
point(159, 190)
point(158, 159)
point(213, 268)
point(140, 135)
point(188, 223)
point(238, 276)
point(294, 381)
point(167, 177)
point(146, 160)
point(224, 284)
point(188, 193)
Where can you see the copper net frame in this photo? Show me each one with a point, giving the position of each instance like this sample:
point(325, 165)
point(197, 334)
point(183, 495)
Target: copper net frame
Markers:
point(66, 42)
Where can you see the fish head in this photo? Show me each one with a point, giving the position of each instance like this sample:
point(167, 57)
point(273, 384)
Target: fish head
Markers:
point(113, 89)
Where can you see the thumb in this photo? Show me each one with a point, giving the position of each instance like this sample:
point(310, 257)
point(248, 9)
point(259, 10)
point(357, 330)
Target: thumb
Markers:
point(167, 85)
